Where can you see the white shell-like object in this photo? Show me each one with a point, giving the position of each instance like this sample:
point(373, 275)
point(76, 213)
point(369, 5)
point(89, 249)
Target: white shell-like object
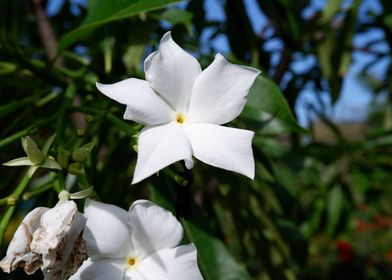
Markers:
point(19, 253)
point(55, 243)
point(59, 241)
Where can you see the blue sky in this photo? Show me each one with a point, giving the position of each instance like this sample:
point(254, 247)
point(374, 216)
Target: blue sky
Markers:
point(355, 96)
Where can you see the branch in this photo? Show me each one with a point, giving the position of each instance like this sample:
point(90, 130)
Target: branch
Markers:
point(282, 67)
point(46, 32)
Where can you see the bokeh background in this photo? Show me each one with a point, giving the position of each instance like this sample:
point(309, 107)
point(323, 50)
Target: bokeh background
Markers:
point(320, 205)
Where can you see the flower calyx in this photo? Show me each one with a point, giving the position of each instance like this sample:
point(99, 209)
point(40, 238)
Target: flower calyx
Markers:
point(36, 158)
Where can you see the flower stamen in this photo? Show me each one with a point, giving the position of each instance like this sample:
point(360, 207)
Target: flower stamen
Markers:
point(132, 262)
point(180, 118)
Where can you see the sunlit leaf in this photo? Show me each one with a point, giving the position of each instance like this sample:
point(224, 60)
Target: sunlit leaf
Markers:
point(103, 12)
point(216, 262)
point(266, 106)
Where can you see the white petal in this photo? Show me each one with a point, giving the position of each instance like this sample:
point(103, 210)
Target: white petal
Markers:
point(143, 104)
point(220, 92)
point(100, 269)
point(107, 233)
point(133, 275)
point(159, 147)
point(169, 264)
point(223, 147)
point(171, 72)
point(19, 162)
point(18, 252)
point(153, 228)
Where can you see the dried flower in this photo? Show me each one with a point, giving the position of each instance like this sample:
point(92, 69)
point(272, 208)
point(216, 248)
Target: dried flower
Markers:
point(50, 239)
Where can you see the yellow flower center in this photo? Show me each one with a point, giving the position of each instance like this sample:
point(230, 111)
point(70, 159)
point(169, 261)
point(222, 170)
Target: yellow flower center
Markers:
point(180, 118)
point(132, 262)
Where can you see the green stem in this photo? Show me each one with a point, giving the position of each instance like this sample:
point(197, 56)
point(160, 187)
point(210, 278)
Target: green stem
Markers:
point(15, 137)
point(129, 129)
point(5, 220)
point(59, 184)
point(24, 132)
point(38, 190)
point(85, 110)
point(4, 200)
point(85, 184)
point(10, 210)
point(69, 96)
point(57, 187)
point(12, 106)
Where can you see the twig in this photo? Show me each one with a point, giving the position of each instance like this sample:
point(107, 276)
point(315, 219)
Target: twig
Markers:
point(282, 67)
point(10, 210)
point(46, 32)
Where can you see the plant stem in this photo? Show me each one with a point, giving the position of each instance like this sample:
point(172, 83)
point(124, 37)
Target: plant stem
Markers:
point(69, 96)
point(28, 130)
point(129, 129)
point(38, 190)
point(5, 220)
point(59, 184)
point(15, 137)
point(10, 210)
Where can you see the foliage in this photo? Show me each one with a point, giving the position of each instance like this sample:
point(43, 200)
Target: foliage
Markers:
point(319, 208)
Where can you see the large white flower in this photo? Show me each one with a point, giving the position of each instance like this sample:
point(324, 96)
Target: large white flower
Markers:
point(183, 108)
point(138, 245)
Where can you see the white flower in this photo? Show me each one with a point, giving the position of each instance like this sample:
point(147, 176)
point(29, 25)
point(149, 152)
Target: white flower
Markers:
point(50, 239)
point(183, 108)
point(138, 245)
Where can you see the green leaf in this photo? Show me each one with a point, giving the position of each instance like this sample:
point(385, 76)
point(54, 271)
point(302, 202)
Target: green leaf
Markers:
point(267, 105)
point(387, 20)
point(132, 57)
point(215, 260)
point(48, 144)
point(63, 157)
point(51, 164)
point(7, 67)
point(81, 194)
point(102, 12)
point(330, 10)
point(107, 46)
point(176, 16)
point(83, 152)
point(76, 168)
point(334, 208)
